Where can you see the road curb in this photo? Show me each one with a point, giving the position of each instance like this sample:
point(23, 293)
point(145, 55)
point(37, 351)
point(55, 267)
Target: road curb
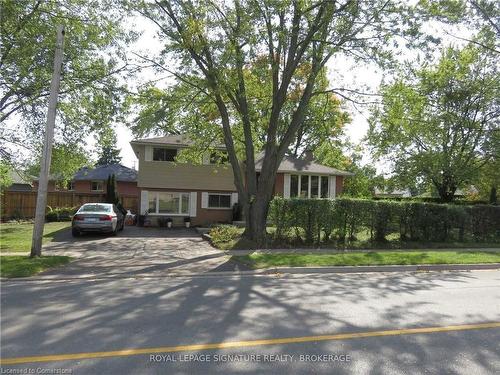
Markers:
point(272, 271)
point(392, 268)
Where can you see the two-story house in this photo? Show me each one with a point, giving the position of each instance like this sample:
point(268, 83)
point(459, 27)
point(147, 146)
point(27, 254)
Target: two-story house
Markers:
point(206, 193)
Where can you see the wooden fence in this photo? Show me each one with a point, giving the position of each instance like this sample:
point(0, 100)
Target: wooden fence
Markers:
point(22, 204)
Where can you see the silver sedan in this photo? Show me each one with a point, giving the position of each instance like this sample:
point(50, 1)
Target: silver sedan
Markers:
point(97, 217)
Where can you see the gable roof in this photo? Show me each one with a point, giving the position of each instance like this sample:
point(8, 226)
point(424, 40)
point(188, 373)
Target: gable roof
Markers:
point(101, 172)
point(293, 164)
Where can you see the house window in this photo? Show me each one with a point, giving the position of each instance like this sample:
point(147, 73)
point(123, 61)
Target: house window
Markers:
point(324, 187)
point(168, 203)
point(219, 200)
point(164, 154)
point(309, 186)
point(97, 186)
point(70, 186)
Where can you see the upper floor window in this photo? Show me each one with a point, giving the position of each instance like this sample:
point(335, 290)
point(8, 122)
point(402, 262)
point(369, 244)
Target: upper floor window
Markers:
point(164, 154)
point(97, 186)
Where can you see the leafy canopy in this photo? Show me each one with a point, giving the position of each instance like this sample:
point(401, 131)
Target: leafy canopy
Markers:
point(436, 123)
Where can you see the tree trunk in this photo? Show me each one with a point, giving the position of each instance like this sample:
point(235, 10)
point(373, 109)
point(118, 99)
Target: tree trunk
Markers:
point(256, 220)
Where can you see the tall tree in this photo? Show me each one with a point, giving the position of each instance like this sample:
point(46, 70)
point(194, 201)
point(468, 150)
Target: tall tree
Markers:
point(216, 43)
point(436, 123)
point(90, 93)
point(111, 191)
point(107, 150)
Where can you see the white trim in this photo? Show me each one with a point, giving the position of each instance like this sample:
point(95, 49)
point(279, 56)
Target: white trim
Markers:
point(309, 186)
point(206, 158)
point(204, 200)
point(144, 201)
point(332, 187)
point(286, 186)
point(148, 153)
point(193, 202)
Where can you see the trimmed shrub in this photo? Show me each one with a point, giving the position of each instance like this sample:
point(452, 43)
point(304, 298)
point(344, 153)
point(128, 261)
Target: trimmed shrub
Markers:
point(60, 214)
point(319, 220)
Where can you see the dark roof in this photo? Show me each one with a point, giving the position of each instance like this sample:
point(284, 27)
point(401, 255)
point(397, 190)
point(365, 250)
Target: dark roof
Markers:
point(292, 164)
point(102, 172)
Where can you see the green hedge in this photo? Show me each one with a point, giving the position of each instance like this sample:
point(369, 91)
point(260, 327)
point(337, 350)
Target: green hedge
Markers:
point(60, 214)
point(318, 220)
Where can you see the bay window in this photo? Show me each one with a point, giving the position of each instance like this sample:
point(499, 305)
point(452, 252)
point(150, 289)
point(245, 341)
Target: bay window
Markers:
point(168, 203)
point(309, 186)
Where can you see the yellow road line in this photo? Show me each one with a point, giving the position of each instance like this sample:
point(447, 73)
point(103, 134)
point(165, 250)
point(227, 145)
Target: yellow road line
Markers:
point(242, 344)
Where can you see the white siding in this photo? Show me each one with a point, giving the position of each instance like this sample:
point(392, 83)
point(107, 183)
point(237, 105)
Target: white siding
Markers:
point(144, 201)
point(148, 153)
point(286, 185)
point(193, 201)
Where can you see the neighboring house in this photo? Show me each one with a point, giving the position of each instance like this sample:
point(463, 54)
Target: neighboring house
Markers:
point(379, 193)
point(206, 193)
point(19, 183)
point(93, 180)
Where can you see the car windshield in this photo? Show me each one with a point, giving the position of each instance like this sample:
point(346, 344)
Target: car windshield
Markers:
point(95, 208)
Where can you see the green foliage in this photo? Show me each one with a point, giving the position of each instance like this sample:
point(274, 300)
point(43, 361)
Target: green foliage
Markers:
point(5, 178)
point(108, 153)
point(60, 214)
point(111, 191)
point(66, 160)
point(318, 220)
point(436, 123)
point(91, 94)
point(224, 233)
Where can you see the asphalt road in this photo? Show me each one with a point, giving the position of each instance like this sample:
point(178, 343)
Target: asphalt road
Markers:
point(81, 316)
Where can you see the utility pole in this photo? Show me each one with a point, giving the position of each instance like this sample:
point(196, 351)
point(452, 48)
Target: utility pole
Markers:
point(43, 181)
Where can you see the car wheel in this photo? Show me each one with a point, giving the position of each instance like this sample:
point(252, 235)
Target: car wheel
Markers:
point(75, 232)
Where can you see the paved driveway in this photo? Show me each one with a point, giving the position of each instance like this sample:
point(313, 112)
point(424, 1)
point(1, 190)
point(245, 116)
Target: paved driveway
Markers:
point(137, 251)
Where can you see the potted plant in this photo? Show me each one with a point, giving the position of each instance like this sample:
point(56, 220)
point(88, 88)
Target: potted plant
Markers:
point(187, 221)
point(169, 222)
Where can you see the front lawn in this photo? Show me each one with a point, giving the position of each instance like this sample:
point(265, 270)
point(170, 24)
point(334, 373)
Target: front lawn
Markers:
point(16, 237)
point(23, 266)
point(260, 260)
